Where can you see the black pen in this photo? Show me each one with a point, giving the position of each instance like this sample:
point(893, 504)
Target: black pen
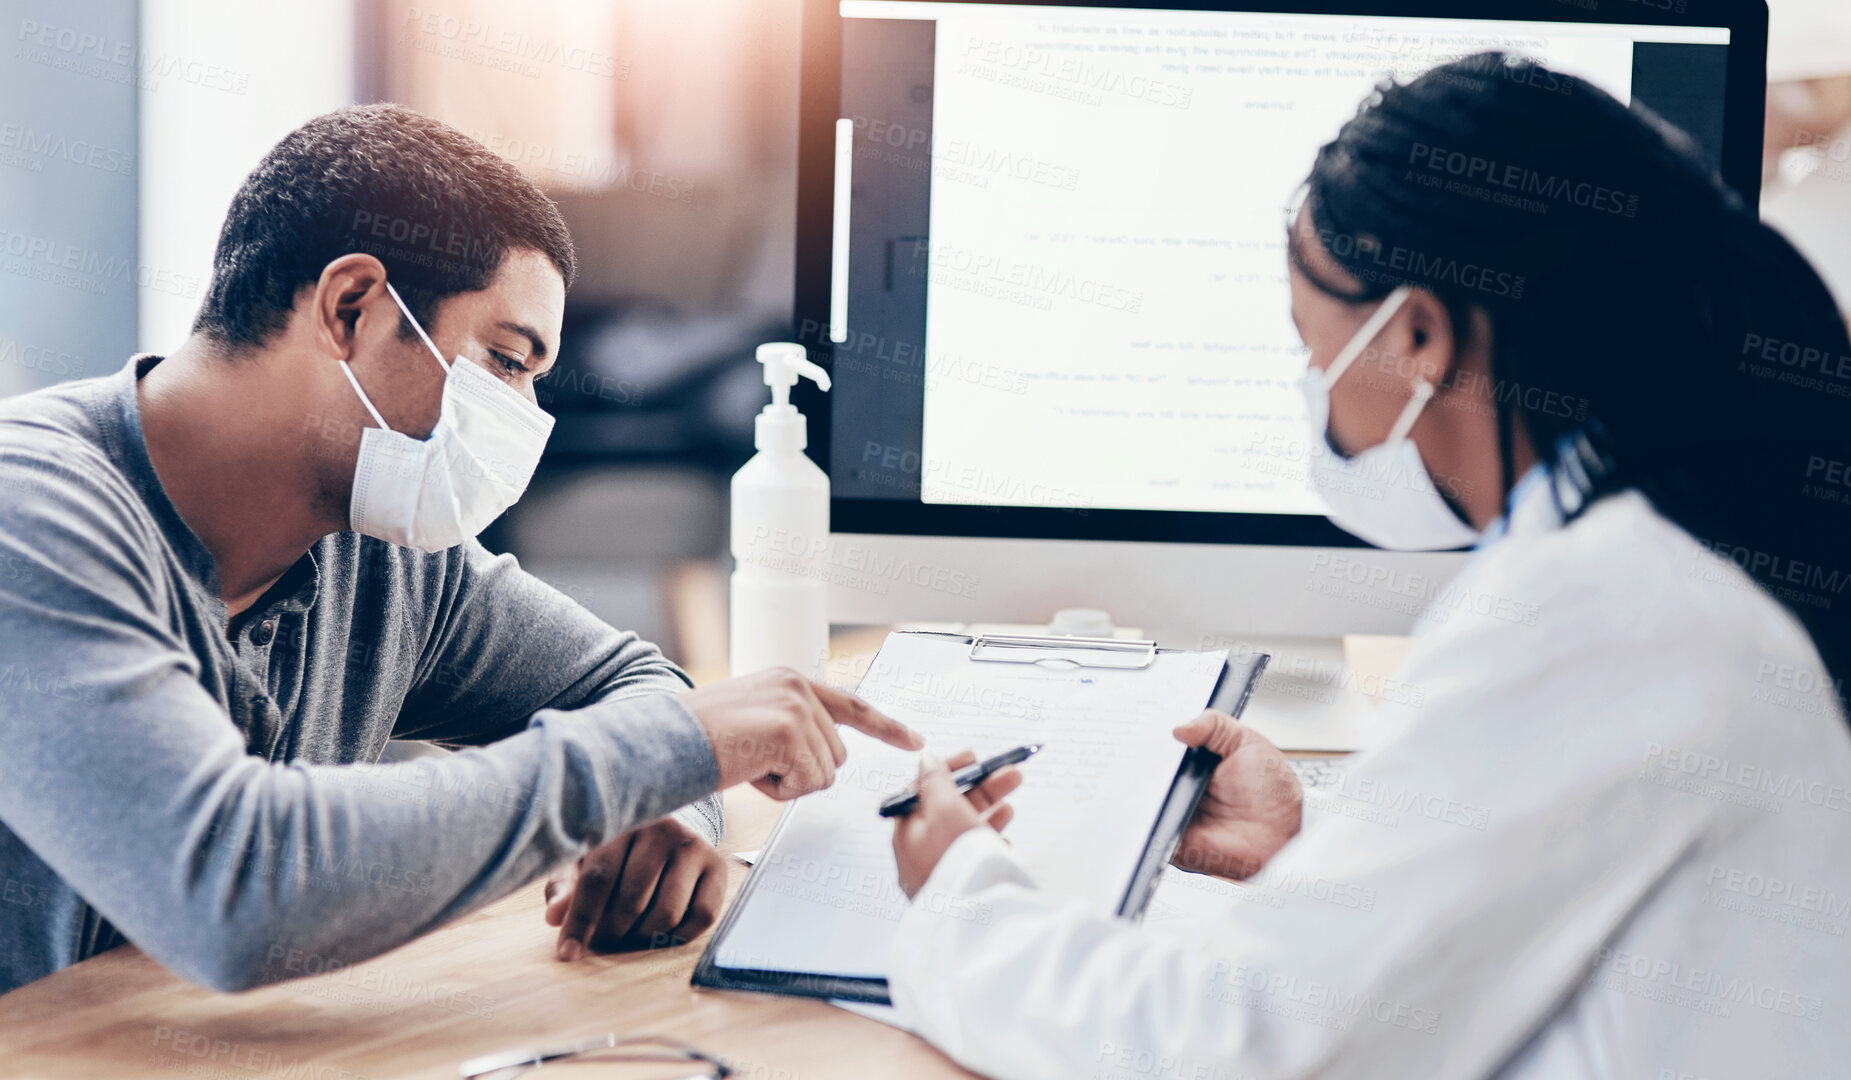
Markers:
point(966, 778)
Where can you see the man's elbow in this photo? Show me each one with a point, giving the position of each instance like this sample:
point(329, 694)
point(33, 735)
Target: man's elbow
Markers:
point(232, 966)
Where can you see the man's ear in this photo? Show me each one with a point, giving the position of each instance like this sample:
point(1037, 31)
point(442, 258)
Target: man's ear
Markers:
point(350, 289)
point(1430, 341)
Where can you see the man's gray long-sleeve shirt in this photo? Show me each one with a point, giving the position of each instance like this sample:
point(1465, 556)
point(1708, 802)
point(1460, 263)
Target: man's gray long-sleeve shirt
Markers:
point(211, 795)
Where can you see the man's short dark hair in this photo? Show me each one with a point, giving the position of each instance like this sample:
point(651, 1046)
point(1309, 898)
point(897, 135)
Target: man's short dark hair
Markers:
point(438, 208)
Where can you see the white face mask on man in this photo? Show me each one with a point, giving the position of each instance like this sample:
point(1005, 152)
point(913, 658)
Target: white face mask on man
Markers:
point(435, 493)
point(1384, 495)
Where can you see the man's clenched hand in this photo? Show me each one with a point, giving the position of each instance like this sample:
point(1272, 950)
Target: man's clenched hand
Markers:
point(659, 885)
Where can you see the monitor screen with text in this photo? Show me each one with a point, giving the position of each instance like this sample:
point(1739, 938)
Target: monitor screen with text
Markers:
point(1059, 266)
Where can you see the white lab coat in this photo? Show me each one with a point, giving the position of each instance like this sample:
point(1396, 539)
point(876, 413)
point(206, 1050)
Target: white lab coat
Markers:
point(1612, 840)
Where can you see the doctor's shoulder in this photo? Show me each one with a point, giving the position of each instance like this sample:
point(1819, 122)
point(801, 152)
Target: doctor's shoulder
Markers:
point(1636, 570)
point(1691, 600)
point(1619, 580)
point(1562, 589)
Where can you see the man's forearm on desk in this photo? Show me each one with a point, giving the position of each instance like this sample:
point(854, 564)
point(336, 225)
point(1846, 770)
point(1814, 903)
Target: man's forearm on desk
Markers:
point(706, 816)
point(213, 861)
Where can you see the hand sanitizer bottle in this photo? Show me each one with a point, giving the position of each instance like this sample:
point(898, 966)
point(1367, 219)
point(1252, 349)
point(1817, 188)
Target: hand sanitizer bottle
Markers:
point(780, 513)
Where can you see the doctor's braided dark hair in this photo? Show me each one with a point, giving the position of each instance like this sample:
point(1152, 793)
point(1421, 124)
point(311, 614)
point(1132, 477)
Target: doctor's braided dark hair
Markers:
point(1649, 330)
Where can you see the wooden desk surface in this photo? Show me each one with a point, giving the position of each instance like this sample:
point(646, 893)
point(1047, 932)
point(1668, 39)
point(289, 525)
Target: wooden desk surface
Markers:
point(488, 982)
point(485, 983)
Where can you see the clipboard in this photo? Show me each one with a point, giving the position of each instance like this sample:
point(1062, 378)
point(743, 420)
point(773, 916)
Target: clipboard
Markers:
point(1232, 688)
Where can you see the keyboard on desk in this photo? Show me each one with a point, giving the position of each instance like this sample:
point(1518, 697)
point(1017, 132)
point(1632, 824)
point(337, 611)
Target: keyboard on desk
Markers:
point(1319, 772)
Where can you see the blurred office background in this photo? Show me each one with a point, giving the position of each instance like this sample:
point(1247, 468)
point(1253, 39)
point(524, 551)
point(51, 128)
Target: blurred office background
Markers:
point(666, 131)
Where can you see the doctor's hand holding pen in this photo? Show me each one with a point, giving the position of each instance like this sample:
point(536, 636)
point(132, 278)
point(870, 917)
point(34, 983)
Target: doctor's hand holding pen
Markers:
point(922, 836)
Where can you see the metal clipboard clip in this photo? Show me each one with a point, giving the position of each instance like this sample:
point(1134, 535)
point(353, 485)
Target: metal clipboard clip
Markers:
point(1121, 653)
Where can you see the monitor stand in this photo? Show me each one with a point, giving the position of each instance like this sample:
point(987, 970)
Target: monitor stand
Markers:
point(1311, 698)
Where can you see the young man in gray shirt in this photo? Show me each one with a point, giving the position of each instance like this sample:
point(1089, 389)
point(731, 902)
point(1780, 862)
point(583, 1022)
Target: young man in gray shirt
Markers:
point(229, 575)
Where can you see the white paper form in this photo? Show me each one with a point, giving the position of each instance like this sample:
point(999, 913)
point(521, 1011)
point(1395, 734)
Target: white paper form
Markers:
point(828, 897)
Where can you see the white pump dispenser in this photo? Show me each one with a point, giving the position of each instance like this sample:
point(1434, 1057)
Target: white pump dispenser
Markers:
point(780, 530)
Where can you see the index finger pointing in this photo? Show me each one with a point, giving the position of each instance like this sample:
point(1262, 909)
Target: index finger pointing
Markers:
point(858, 714)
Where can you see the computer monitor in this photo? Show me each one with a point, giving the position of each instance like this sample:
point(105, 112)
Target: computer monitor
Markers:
point(1041, 251)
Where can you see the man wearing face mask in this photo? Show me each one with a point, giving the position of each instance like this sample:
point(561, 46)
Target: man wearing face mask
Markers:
point(229, 575)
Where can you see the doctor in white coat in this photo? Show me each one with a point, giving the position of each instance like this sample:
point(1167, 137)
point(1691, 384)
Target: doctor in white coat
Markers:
point(1614, 836)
